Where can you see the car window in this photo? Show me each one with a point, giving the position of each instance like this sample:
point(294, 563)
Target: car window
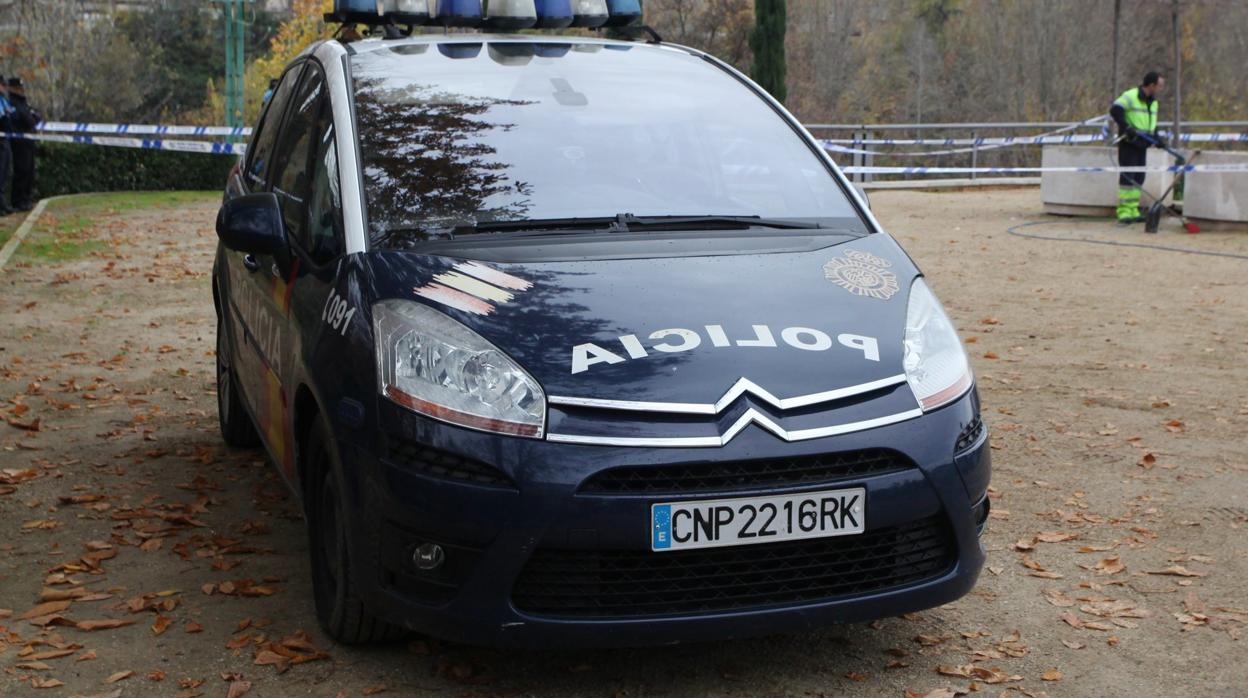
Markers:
point(463, 133)
point(295, 156)
point(325, 233)
point(260, 150)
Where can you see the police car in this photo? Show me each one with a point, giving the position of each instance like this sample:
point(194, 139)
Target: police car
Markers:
point(574, 341)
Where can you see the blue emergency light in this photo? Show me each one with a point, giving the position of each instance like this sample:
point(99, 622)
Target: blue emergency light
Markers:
point(364, 11)
point(458, 13)
point(553, 14)
point(510, 14)
point(623, 13)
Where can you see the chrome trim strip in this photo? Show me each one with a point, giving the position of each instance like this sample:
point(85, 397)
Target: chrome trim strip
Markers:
point(742, 386)
point(751, 416)
point(330, 54)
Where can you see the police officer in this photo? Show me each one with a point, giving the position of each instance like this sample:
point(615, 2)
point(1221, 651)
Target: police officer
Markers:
point(1135, 112)
point(6, 155)
point(24, 120)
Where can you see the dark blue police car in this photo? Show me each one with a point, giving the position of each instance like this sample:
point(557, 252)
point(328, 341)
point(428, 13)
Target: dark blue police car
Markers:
point(569, 341)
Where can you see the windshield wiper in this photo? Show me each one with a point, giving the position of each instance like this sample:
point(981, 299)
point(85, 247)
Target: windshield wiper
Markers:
point(711, 222)
point(619, 223)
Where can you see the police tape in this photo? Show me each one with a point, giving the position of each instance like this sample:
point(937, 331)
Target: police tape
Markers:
point(1030, 140)
point(141, 129)
point(207, 147)
point(217, 148)
point(1226, 168)
point(985, 144)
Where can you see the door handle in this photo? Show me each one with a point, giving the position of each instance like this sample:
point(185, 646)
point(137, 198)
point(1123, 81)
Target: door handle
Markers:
point(250, 262)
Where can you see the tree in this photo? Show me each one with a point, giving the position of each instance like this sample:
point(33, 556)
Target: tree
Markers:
point(77, 67)
point(183, 43)
point(767, 43)
point(719, 27)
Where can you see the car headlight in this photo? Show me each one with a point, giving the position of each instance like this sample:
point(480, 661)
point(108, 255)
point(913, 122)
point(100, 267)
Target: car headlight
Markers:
point(436, 366)
point(935, 363)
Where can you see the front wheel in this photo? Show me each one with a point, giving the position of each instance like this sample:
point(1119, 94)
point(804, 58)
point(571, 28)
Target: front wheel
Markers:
point(338, 606)
point(237, 429)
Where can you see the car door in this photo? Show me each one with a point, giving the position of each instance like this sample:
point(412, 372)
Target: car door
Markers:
point(259, 285)
point(312, 209)
point(304, 177)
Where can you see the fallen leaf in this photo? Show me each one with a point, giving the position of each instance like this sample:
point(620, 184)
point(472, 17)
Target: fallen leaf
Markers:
point(1058, 598)
point(50, 654)
point(1052, 675)
point(1109, 565)
point(105, 624)
point(119, 676)
point(1178, 571)
point(45, 609)
point(37, 682)
point(238, 688)
point(161, 625)
point(1054, 536)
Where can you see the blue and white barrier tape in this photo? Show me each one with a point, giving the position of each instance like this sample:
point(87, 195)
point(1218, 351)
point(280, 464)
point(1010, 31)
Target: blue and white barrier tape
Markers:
point(1030, 140)
point(140, 129)
point(217, 148)
point(986, 144)
point(1228, 168)
point(207, 147)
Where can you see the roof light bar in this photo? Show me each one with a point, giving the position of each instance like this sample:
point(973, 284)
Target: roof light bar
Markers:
point(458, 13)
point(505, 15)
point(405, 11)
point(623, 13)
point(589, 13)
point(363, 11)
point(510, 14)
point(553, 14)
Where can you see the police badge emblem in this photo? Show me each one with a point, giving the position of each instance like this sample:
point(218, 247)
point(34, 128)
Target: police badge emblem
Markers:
point(862, 274)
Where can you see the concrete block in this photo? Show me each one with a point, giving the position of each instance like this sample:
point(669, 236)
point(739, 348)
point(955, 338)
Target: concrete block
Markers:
point(1218, 200)
point(1093, 193)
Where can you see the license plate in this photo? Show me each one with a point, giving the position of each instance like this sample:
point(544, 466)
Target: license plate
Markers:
point(752, 520)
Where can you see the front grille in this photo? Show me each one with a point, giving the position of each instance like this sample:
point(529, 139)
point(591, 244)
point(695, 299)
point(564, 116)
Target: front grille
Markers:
point(969, 435)
point(435, 463)
point(726, 476)
point(634, 583)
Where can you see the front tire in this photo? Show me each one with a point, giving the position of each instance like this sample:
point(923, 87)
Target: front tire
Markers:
point(339, 609)
point(237, 429)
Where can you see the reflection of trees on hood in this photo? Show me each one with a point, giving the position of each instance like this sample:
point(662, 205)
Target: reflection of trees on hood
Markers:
point(426, 160)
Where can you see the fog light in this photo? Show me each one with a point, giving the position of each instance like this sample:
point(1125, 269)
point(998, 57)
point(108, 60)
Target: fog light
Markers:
point(428, 556)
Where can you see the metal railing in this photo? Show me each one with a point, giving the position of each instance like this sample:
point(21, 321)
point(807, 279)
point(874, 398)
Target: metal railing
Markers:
point(859, 137)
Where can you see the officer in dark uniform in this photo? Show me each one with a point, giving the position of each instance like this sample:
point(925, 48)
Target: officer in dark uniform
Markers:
point(24, 120)
point(6, 155)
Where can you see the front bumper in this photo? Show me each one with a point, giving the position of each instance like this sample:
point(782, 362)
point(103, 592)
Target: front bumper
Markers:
point(491, 531)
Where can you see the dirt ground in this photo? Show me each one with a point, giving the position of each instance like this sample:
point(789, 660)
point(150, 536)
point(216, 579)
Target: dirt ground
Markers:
point(1114, 382)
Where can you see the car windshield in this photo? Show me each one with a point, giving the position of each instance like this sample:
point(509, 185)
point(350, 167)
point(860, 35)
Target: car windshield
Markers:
point(455, 135)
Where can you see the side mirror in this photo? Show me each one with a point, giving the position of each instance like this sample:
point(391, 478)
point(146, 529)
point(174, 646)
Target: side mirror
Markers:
point(863, 193)
point(252, 224)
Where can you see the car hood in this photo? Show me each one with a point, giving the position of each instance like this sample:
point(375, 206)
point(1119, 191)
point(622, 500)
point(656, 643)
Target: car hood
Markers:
point(681, 329)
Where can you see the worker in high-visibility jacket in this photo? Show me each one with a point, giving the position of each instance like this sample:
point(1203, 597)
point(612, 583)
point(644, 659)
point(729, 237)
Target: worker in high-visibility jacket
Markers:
point(1135, 112)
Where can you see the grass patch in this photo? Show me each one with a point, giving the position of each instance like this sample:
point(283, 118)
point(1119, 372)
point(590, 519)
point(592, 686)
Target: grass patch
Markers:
point(67, 228)
point(8, 225)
